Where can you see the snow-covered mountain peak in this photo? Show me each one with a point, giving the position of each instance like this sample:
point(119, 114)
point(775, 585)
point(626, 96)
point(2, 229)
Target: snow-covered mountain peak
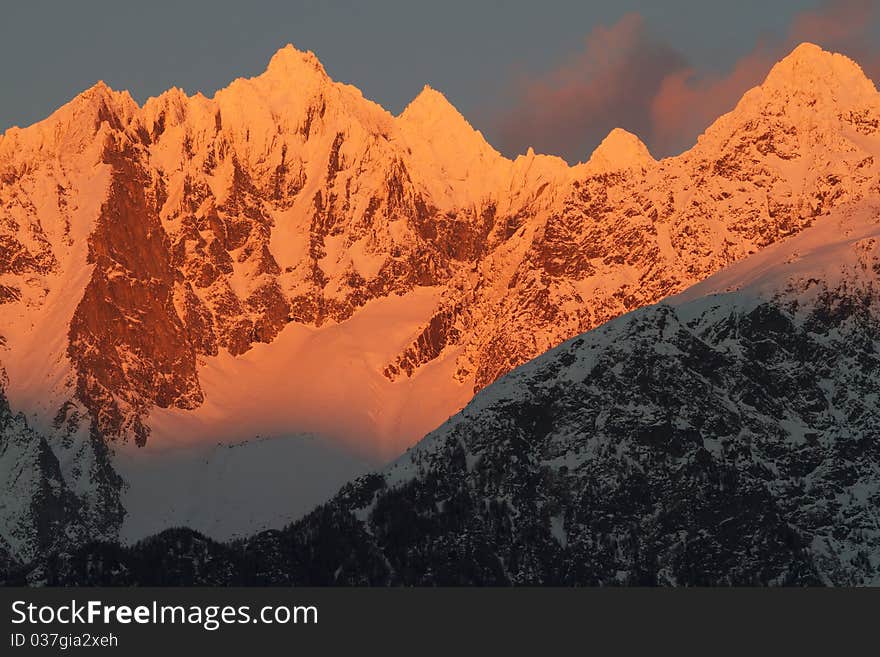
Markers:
point(448, 149)
point(430, 116)
point(292, 78)
point(172, 105)
point(430, 105)
point(620, 150)
point(808, 64)
point(99, 88)
point(288, 62)
point(295, 95)
point(101, 95)
point(811, 103)
point(72, 126)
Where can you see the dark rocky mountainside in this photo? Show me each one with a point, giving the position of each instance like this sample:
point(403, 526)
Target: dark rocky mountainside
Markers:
point(45, 512)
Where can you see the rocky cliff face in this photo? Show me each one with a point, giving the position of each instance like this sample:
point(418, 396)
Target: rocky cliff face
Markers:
point(631, 231)
point(716, 438)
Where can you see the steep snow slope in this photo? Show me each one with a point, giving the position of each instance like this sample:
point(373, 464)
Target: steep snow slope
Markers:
point(314, 410)
point(326, 381)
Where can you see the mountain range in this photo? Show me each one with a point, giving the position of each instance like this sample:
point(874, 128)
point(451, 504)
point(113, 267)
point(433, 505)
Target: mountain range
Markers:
point(287, 279)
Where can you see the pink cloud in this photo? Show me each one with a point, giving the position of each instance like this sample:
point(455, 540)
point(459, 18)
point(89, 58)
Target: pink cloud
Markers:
point(834, 22)
point(686, 102)
point(608, 84)
point(843, 26)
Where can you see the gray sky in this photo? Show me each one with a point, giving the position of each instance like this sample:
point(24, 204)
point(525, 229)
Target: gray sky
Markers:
point(494, 60)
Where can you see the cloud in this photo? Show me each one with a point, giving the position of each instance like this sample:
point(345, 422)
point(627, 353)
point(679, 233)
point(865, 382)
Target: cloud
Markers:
point(625, 77)
point(834, 22)
point(845, 26)
point(608, 84)
point(687, 101)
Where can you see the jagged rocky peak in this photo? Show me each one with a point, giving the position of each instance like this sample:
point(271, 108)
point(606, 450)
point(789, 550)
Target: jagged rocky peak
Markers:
point(618, 151)
point(453, 157)
point(101, 102)
point(294, 95)
point(811, 104)
point(431, 106)
point(288, 61)
point(431, 117)
point(292, 82)
point(810, 88)
point(69, 128)
point(168, 109)
point(292, 76)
